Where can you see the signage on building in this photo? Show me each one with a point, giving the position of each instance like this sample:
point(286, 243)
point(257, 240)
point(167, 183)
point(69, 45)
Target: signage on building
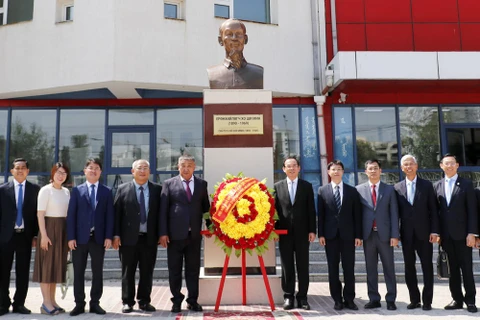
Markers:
point(237, 124)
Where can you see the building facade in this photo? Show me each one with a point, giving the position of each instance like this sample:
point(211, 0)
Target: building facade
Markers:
point(351, 79)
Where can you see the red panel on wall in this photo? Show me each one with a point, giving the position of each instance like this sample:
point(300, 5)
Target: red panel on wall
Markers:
point(389, 37)
point(436, 37)
point(434, 11)
point(388, 11)
point(328, 15)
point(350, 11)
point(328, 31)
point(351, 37)
point(469, 10)
point(470, 36)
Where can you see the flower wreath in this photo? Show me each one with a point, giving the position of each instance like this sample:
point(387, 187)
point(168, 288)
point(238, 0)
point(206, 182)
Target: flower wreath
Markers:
point(243, 215)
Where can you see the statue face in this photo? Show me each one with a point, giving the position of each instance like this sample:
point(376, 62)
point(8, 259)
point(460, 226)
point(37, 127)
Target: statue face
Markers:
point(233, 37)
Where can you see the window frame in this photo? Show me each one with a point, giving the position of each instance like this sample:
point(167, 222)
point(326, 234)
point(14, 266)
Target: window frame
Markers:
point(65, 11)
point(271, 19)
point(180, 4)
point(4, 10)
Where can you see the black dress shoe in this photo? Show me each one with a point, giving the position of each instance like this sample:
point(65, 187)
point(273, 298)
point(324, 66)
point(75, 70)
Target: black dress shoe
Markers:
point(414, 305)
point(338, 305)
point(391, 306)
point(454, 305)
point(427, 307)
point(77, 310)
point(471, 308)
point(21, 310)
point(3, 311)
point(148, 307)
point(350, 305)
point(288, 304)
point(97, 309)
point(373, 305)
point(176, 308)
point(126, 308)
point(303, 304)
point(194, 307)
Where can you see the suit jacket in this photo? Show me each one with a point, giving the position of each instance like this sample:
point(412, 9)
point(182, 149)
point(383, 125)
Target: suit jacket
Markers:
point(385, 213)
point(460, 217)
point(348, 222)
point(8, 210)
point(300, 218)
point(127, 213)
point(177, 215)
point(420, 219)
point(79, 211)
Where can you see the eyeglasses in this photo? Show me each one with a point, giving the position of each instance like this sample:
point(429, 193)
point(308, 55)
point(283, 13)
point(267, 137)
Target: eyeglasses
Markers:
point(94, 168)
point(449, 163)
point(61, 173)
point(142, 168)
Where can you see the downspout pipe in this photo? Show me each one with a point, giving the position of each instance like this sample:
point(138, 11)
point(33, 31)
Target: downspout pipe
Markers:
point(319, 45)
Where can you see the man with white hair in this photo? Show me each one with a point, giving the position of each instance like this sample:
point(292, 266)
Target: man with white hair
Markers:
point(419, 229)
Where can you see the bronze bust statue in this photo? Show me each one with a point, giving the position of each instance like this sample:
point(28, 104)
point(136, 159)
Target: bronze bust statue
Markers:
point(235, 72)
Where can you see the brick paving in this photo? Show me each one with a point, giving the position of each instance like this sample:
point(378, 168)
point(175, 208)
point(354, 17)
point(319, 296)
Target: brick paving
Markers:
point(320, 301)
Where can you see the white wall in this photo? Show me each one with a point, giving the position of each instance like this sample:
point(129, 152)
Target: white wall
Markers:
point(127, 44)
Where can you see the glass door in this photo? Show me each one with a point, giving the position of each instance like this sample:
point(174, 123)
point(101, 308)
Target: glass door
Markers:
point(124, 147)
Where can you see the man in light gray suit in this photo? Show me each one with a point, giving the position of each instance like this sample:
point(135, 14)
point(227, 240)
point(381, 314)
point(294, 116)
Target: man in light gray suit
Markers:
point(380, 233)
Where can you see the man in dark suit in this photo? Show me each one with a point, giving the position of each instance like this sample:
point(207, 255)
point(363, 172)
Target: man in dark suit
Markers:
point(183, 202)
point(458, 229)
point(340, 231)
point(295, 205)
point(477, 240)
point(137, 234)
point(18, 231)
point(380, 233)
point(419, 228)
point(89, 231)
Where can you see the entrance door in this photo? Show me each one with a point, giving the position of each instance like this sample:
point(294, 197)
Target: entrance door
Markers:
point(124, 147)
point(464, 143)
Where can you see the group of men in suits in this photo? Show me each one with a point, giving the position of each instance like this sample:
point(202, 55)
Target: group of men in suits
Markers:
point(413, 211)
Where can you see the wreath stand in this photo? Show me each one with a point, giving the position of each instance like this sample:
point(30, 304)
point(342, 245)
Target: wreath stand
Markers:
point(244, 277)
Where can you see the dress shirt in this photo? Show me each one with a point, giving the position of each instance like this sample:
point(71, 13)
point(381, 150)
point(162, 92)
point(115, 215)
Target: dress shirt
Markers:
point(377, 187)
point(146, 196)
point(191, 184)
point(340, 190)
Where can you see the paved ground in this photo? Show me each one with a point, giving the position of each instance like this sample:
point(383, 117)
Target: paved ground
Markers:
point(319, 299)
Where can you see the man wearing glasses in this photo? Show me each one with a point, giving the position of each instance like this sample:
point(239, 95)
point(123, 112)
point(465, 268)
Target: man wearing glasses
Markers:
point(137, 234)
point(89, 232)
point(458, 229)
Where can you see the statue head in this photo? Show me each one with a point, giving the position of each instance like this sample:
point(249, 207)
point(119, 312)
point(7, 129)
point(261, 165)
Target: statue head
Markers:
point(232, 35)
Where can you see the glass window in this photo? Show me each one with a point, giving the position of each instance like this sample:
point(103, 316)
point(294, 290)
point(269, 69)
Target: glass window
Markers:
point(40, 180)
point(286, 139)
point(343, 141)
point(430, 176)
point(419, 134)
point(252, 10)
point(464, 143)
point(69, 13)
point(128, 147)
point(1, 19)
point(170, 10)
point(82, 136)
point(134, 117)
point(33, 137)
point(19, 11)
point(461, 114)
point(310, 155)
point(179, 131)
point(222, 11)
point(3, 140)
point(386, 177)
point(376, 136)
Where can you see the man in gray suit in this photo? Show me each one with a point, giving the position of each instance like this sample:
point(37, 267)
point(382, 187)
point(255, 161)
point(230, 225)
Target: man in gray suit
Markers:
point(380, 233)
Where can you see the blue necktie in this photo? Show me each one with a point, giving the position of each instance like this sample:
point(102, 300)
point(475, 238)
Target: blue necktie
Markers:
point(143, 211)
point(412, 192)
point(20, 205)
point(292, 192)
point(92, 203)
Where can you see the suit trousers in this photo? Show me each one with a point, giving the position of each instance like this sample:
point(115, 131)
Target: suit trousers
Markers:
point(144, 256)
point(338, 250)
point(460, 258)
point(177, 251)
point(374, 247)
point(21, 246)
point(424, 249)
point(79, 259)
point(294, 252)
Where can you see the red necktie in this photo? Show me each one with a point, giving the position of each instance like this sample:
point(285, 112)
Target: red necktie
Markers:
point(374, 200)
